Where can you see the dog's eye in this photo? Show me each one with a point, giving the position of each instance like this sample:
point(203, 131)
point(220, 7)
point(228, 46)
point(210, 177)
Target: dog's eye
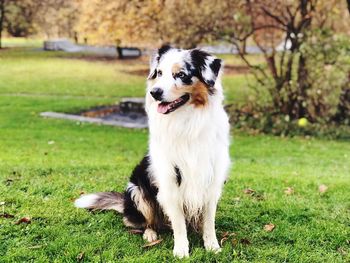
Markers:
point(181, 75)
point(159, 73)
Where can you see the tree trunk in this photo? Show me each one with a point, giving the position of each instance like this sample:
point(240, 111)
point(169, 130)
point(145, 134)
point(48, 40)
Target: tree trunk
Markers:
point(2, 17)
point(303, 85)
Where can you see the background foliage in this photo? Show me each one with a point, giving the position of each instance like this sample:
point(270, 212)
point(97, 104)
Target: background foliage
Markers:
point(304, 45)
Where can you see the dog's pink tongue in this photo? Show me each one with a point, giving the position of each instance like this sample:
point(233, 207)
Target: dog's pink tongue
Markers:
point(162, 108)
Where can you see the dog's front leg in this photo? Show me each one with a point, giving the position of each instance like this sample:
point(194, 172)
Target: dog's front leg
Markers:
point(173, 209)
point(209, 236)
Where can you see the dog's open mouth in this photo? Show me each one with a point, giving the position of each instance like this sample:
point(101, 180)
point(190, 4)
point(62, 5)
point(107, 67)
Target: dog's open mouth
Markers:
point(167, 107)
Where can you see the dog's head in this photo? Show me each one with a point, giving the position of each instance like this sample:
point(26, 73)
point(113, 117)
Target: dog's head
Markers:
point(181, 77)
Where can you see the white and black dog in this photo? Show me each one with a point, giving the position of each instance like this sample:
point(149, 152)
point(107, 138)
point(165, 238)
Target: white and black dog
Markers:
point(180, 181)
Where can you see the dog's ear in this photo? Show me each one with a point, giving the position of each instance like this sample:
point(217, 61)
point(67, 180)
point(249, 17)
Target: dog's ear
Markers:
point(207, 65)
point(154, 60)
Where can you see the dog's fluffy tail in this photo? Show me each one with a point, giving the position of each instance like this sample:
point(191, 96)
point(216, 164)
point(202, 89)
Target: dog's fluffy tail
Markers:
point(101, 201)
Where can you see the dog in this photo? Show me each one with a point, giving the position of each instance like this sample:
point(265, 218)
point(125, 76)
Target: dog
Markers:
point(179, 182)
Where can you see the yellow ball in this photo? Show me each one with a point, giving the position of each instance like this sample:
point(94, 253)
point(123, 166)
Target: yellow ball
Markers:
point(302, 122)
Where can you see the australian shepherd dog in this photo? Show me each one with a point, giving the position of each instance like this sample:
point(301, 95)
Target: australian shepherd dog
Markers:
point(180, 180)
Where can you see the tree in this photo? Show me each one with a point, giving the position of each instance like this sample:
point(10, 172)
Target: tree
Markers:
point(2, 18)
point(20, 17)
point(289, 76)
point(57, 18)
point(149, 23)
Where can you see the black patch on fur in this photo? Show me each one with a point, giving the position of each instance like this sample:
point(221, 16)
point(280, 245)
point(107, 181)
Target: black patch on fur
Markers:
point(198, 61)
point(187, 80)
point(178, 175)
point(130, 211)
point(153, 75)
point(162, 51)
point(215, 66)
point(140, 178)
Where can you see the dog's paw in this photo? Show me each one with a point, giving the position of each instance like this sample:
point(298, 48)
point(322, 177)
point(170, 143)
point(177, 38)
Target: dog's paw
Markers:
point(150, 235)
point(181, 251)
point(212, 245)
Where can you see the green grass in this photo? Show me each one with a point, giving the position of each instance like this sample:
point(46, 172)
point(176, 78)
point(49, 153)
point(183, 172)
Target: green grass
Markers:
point(21, 42)
point(39, 179)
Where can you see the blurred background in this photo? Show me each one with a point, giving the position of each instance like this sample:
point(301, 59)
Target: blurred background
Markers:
point(287, 62)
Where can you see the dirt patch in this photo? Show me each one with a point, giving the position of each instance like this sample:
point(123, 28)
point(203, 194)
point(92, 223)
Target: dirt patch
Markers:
point(129, 113)
point(235, 70)
point(138, 72)
point(100, 111)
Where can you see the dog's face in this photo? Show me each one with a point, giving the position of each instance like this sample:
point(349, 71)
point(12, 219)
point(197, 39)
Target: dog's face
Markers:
point(182, 77)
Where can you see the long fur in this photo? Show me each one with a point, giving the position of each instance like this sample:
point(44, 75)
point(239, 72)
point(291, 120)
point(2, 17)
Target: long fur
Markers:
point(181, 178)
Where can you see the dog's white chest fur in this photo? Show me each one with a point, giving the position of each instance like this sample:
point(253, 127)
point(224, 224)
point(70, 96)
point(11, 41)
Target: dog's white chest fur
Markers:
point(196, 142)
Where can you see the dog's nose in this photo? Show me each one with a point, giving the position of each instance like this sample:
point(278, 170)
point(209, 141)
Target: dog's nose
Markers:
point(157, 93)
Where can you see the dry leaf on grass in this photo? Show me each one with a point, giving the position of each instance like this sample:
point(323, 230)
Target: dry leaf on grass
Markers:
point(222, 241)
point(248, 191)
point(322, 188)
point(289, 191)
point(6, 215)
point(269, 227)
point(151, 244)
point(136, 231)
point(234, 242)
point(80, 256)
point(227, 234)
point(23, 220)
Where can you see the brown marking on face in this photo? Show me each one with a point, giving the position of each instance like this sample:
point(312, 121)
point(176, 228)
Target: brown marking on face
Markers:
point(176, 68)
point(200, 94)
point(198, 90)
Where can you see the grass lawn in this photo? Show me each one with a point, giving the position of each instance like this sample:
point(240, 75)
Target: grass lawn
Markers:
point(45, 164)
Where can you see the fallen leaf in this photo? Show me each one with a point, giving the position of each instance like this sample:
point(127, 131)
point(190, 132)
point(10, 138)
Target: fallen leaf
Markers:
point(24, 220)
point(248, 191)
point(234, 242)
point(225, 234)
point(135, 231)
point(222, 241)
point(151, 244)
point(6, 215)
point(80, 256)
point(322, 188)
point(342, 251)
point(289, 191)
point(81, 192)
point(269, 227)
